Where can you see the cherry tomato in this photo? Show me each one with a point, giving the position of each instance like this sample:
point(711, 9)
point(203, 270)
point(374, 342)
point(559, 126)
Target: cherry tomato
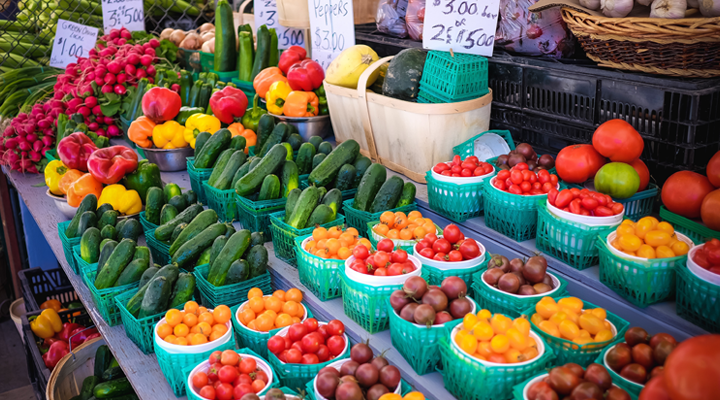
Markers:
point(516, 176)
point(455, 255)
point(208, 392)
point(617, 208)
point(385, 245)
point(443, 245)
point(359, 266)
point(422, 245)
point(440, 167)
point(456, 160)
point(229, 357)
point(456, 169)
point(602, 211)
point(335, 327)
point(509, 182)
point(427, 253)
point(583, 193)
point(336, 345)
point(515, 189)
point(243, 378)
point(564, 198)
point(590, 203)
point(468, 165)
point(479, 171)
point(575, 206)
point(361, 252)
point(297, 331)
point(260, 375)
point(430, 238)
point(276, 344)
point(521, 166)
point(503, 175)
point(466, 173)
point(553, 179)
point(537, 185)
point(395, 269)
point(242, 389)
point(399, 256)
point(294, 356)
point(526, 174)
point(228, 374)
point(200, 379)
point(526, 186)
point(215, 357)
point(472, 159)
point(323, 353)
point(532, 178)
point(310, 344)
point(543, 176)
point(552, 195)
point(584, 212)
point(311, 323)
point(258, 385)
point(469, 249)
point(322, 329)
point(451, 233)
point(547, 187)
point(381, 259)
point(499, 184)
point(439, 257)
point(248, 365)
point(283, 356)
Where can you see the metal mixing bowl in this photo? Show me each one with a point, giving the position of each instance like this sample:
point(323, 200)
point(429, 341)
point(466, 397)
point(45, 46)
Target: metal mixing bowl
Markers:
point(309, 126)
point(170, 160)
point(62, 205)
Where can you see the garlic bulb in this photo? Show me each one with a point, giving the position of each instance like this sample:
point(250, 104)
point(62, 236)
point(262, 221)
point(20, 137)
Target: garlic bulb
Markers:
point(693, 4)
point(668, 9)
point(617, 8)
point(590, 4)
point(710, 8)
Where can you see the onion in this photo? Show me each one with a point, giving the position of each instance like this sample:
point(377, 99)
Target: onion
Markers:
point(190, 42)
point(207, 27)
point(177, 36)
point(165, 34)
point(209, 46)
point(207, 36)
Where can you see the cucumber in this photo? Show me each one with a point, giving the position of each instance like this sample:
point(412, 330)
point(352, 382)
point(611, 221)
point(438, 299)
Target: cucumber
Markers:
point(238, 143)
point(131, 229)
point(233, 250)
point(197, 225)
point(101, 210)
point(289, 149)
point(265, 128)
point(147, 275)
point(256, 238)
point(346, 152)
point(315, 141)
point(164, 231)
point(176, 232)
point(217, 247)
point(112, 373)
point(275, 138)
point(388, 195)
point(325, 148)
point(190, 197)
point(204, 257)
point(119, 226)
point(113, 389)
point(304, 207)
point(345, 179)
point(242, 171)
point(225, 58)
point(154, 201)
point(178, 202)
point(191, 249)
point(290, 178)
point(87, 220)
point(156, 298)
point(255, 161)
point(88, 203)
point(209, 153)
point(292, 198)
point(362, 163)
point(251, 182)
point(108, 218)
point(88, 385)
point(236, 160)
point(322, 214)
point(270, 188)
point(257, 257)
point(183, 290)
point(219, 167)
point(102, 360)
point(230, 229)
point(239, 272)
point(323, 191)
point(295, 141)
point(105, 252)
point(370, 183)
point(305, 158)
point(333, 199)
point(200, 141)
point(171, 190)
point(319, 157)
point(167, 213)
point(169, 272)
point(408, 195)
point(90, 245)
point(116, 263)
point(142, 252)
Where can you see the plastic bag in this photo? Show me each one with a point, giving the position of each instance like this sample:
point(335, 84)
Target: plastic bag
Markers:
point(391, 18)
point(415, 18)
point(532, 34)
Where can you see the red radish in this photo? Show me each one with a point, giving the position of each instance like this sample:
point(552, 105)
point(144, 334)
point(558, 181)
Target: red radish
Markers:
point(107, 89)
point(109, 79)
point(121, 78)
point(154, 43)
point(97, 110)
point(91, 101)
point(146, 60)
point(150, 70)
point(100, 132)
point(85, 111)
point(119, 89)
point(113, 130)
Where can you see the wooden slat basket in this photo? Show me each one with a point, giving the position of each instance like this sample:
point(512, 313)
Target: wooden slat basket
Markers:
point(67, 377)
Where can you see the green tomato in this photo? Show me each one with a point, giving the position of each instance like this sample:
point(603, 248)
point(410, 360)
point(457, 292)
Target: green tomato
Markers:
point(617, 179)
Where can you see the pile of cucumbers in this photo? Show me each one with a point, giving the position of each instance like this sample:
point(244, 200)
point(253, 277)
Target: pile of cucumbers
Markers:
point(210, 147)
point(190, 233)
point(160, 290)
point(237, 258)
point(120, 264)
point(108, 380)
point(376, 194)
point(259, 175)
point(162, 205)
point(312, 206)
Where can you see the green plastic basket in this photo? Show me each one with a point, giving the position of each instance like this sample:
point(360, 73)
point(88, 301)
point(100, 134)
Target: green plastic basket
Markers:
point(319, 275)
point(639, 282)
point(147, 225)
point(572, 242)
point(455, 77)
point(160, 251)
point(197, 176)
point(632, 388)
point(567, 351)
point(230, 295)
point(697, 300)
point(207, 61)
point(696, 231)
point(283, 235)
point(225, 76)
point(255, 215)
point(83, 266)
point(52, 155)
point(519, 388)
point(104, 299)
point(511, 305)
point(173, 364)
point(346, 194)
point(406, 245)
point(435, 275)
point(468, 378)
point(222, 201)
point(458, 202)
point(359, 219)
point(638, 205)
point(249, 90)
point(513, 215)
point(405, 388)
point(476, 146)
point(68, 244)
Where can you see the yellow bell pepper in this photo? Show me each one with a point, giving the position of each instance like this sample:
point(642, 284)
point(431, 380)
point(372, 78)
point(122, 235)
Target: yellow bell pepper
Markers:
point(111, 195)
point(54, 171)
point(130, 203)
point(54, 319)
point(52, 303)
point(197, 123)
point(276, 96)
point(169, 135)
point(42, 327)
point(124, 201)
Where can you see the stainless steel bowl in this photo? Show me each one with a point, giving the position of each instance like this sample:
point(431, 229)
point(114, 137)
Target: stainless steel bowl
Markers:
point(61, 203)
point(309, 126)
point(170, 160)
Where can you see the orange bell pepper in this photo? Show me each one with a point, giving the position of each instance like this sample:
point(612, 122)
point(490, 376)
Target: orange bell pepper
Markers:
point(52, 303)
point(301, 104)
point(67, 180)
point(82, 187)
point(141, 131)
point(265, 78)
point(250, 139)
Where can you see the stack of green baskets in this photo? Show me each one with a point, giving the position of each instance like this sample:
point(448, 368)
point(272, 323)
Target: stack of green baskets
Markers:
point(638, 280)
point(697, 300)
point(213, 296)
point(458, 202)
point(568, 351)
point(406, 245)
point(319, 275)
point(359, 219)
point(82, 265)
point(68, 244)
point(696, 231)
point(160, 251)
point(255, 215)
point(513, 215)
point(418, 344)
point(631, 387)
point(104, 299)
point(468, 378)
point(222, 201)
point(638, 205)
point(569, 241)
point(510, 304)
point(147, 225)
point(437, 271)
point(197, 176)
point(283, 235)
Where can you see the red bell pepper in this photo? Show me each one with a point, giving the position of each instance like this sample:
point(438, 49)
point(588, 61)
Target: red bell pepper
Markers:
point(79, 335)
point(93, 336)
point(110, 164)
point(290, 57)
point(306, 75)
point(49, 341)
point(161, 104)
point(55, 353)
point(68, 327)
point(75, 149)
point(229, 104)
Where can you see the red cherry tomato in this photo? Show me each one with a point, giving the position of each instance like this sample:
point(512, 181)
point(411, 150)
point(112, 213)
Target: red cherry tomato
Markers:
point(322, 329)
point(468, 165)
point(323, 353)
point(276, 345)
point(602, 211)
point(503, 175)
point(553, 179)
point(575, 206)
point(442, 246)
point(199, 380)
point(294, 356)
point(427, 253)
point(451, 233)
point(456, 169)
point(361, 252)
point(430, 238)
point(617, 208)
point(516, 176)
point(552, 195)
point(547, 187)
point(499, 184)
point(208, 392)
point(399, 256)
point(336, 345)
point(439, 257)
point(311, 323)
point(310, 344)
point(297, 331)
point(526, 186)
point(228, 374)
point(479, 171)
point(248, 365)
point(381, 259)
point(537, 185)
point(242, 389)
point(385, 245)
point(589, 202)
point(472, 159)
point(395, 269)
point(515, 189)
point(521, 166)
point(455, 255)
point(466, 172)
point(456, 160)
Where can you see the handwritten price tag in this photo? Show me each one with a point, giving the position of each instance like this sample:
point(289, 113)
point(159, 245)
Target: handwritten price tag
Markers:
point(266, 13)
point(71, 41)
point(332, 27)
point(465, 26)
point(123, 13)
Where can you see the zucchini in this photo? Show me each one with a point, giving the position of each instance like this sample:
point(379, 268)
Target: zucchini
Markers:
point(304, 207)
point(147, 275)
point(292, 198)
point(114, 266)
point(262, 54)
point(275, 138)
point(225, 59)
point(89, 383)
point(90, 245)
point(176, 232)
point(257, 257)
point(290, 177)
point(190, 250)
point(233, 250)
point(197, 225)
point(87, 220)
point(325, 148)
point(225, 179)
point(105, 252)
point(270, 189)
point(200, 141)
point(408, 195)
point(265, 128)
point(346, 152)
point(295, 141)
point(112, 373)
point(154, 201)
point(88, 203)
point(183, 290)
point(217, 247)
point(112, 389)
point(245, 55)
point(274, 55)
point(219, 167)
point(108, 218)
point(171, 190)
point(370, 183)
point(102, 360)
point(388, 195)
point(305, 158)
point(169, 272)
point(333, 199)
point(178, 202)
point(239, 272)
point(101, 210)
point(164, 231)
point(315, 141)
point(319, 157)
point(256, 238)
point(345, 179)
point(322, 214)
point(215, 145)
point(362, 163)
point(167, 213)
point(250, 183)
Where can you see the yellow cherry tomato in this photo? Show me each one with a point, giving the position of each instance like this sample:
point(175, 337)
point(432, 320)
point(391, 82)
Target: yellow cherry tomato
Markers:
point(657, 238)
point(664, 252)
point(591, 323)
point(651, 220)
point(572, 303)
point(630, 242)
point(665, 227)
point(569, 329)
point(537, 319)
point(599, 312)
point(549, 328)
point(625, 230)
point(604, 335)
point(646, 251)
point(643, 227)
point(680, 248)
point(628, 222)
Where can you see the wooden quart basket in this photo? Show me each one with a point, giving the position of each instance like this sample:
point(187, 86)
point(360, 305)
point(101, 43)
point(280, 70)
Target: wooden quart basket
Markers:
point(67, 377)
point(687, 47)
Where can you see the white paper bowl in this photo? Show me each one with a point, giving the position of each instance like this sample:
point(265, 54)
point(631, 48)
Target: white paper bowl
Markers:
point(605, 363)
point(287, 397)
point(446, 265)
point(237, 315)
point(373, 280)
point(200, 348)
point(587, 220)
point(699, 271)
point(540, 344)
point(538, 379)
point(556, 286)
point(461, 180)
point(283, 332)
point(337, 365)
point(205, 366)
point(619, 253)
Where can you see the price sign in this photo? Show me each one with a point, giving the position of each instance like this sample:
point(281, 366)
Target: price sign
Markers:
point(332, 28)
point(266, 14)
point(465, 26)
point(123, 13)
point(71, 41)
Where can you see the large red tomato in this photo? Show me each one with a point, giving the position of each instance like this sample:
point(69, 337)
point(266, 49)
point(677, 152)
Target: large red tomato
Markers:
point(655, 390)
point(618, 141)
point(644, 173)
point(713, 170)
point(692, 371)
point(710, 210)
point(578, 163)
point(684, 191)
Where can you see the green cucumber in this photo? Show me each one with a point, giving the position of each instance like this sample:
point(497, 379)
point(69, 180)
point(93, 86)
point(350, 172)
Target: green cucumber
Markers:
point(130, 230)
point(183, 290)
point(322, 191)
point(315, 141)
point(191, 249)
point(325, 148)
point(102, 360)
point(219, 167)
point(230, 229)
point(295, 141)
point(319, 157)
point(239, 272)
point(176, 232)
point(304, 207)
point(370, 183)
point(108, 218)
point(238, 143)
point(115, 264)
point(322, 214)
point(142, 252)
point(190, 197)
point(156, 298)
point(209, 153)
point(345, 153)
point(333, 199)
point(88, 385)
point(251, 182)
point(200, 141)
point(257, 257)
point(87, 220)
point(90, 245)
point(154, 201)
point(178, 202)
point(167, 213)
point(112, 389)
point(275, 138)
point(245, 54)
point(112, 373)
point(88, 203)
point(270, 189)
point(197, 225)
point(164, 231)
point(217, 247)
point(254, 162)
point(105, 252)
point(242, 171)
point(236, 160)
point(256, 238)
point(171, 190)
point(204, 257)
point(101, 210)
point(147, 275)
point(362, 163)
point(345, 179)
point(233, 250)
point(289, 149)
point(225, 58)
point(290, 178)
point(169, 272)
point(133, 272)
point(292, 198)
point(265, 128)
point(388, 195)
point(305, 158)
point(408, 195)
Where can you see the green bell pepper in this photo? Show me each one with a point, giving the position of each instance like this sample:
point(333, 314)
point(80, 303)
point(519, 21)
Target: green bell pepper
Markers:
point(322, 101)
point(145, 176)
point(251, 119)
point(186, 112)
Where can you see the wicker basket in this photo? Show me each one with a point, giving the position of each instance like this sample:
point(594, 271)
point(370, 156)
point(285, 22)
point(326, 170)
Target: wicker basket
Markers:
point(688, 47)
point(67, 377)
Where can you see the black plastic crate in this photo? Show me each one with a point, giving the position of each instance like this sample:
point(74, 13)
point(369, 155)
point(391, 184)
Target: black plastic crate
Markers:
point(39, 285)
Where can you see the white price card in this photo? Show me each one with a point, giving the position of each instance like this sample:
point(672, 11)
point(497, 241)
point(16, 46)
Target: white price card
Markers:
point(72, 40)
point(332, 28)
point(127, 14)
point(465, 26)
point(266, 14)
